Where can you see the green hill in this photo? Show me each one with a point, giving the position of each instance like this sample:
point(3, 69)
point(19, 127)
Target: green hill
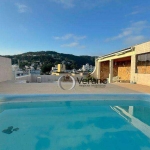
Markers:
point(49, 59)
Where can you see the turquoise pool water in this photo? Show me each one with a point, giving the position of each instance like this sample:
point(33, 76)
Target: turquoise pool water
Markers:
point(98, 123)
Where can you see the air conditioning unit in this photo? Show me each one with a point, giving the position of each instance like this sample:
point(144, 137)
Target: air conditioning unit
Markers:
point(39, 80)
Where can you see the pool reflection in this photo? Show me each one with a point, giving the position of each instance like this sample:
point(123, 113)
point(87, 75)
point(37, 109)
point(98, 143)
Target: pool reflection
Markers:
point(138, 116)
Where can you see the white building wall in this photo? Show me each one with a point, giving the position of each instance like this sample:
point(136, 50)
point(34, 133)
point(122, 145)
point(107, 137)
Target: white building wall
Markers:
point(5, 69)
point(139, 78)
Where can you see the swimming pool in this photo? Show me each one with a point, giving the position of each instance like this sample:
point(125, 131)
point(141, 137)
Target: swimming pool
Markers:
point(75, 122)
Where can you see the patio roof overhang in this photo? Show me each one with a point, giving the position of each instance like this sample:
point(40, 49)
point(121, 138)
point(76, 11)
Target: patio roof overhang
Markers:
point(118, 53)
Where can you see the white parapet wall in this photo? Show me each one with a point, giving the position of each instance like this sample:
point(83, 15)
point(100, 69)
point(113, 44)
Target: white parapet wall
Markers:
point(5, 69)
point(43, 78)
point(26, 78)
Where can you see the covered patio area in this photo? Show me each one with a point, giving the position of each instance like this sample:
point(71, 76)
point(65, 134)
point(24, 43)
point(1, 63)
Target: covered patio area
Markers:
point(122, 70)
point(116, 70)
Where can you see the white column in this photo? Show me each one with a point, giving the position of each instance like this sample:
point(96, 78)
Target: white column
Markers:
point(98, 69)
point(133, 68)
point(111, 70)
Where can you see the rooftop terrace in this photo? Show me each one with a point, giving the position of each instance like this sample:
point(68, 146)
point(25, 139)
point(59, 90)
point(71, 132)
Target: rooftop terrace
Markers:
point(10, 87)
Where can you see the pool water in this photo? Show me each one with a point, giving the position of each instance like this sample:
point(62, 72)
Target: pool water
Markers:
point(70, 125)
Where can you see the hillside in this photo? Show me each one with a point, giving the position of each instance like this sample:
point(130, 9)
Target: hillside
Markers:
point(49, 59)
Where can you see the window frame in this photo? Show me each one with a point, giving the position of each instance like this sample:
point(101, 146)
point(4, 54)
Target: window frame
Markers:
point(143, 63)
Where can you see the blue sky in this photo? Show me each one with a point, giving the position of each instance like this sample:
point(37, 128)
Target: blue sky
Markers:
point(87, 27)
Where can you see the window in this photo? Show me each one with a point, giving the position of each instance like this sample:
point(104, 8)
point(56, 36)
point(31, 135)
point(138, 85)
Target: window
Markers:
point(148, 63)
point(143, 63)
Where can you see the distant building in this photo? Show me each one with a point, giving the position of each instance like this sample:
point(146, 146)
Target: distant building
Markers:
point(27, 67)
point(60, 68)
point(54, 69)
point(32, 64)
point(15, 67)
point(88, 67)
point(74, 70)
point(37, 63)
point(17, 70)
point(31, 68)
point(35, 67)
point(63, 62)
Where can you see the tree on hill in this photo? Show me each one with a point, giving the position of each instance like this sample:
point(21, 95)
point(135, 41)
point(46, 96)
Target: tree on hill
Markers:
point(46, 68)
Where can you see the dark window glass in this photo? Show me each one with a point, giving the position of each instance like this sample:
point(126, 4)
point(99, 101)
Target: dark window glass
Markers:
point(148, 63)
point(148, 60)
point(143, 63)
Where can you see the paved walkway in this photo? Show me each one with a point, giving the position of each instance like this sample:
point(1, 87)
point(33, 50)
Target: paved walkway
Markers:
point(52, 88)
point(136, 87)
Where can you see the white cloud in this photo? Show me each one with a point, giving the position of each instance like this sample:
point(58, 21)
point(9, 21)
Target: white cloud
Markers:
point(132, 40)
point(134, 33)
point(82, 46)
point(135, 12)
point(82, 3)
point(94, 3)
point(70, 36)
point(73, 44)
point(65, 3)
point(126, 32)
point(10, 51)
point(79, 37)
point(22, 8)
point(65, 37)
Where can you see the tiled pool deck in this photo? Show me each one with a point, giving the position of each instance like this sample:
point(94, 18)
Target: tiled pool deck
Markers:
point(52, 88)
